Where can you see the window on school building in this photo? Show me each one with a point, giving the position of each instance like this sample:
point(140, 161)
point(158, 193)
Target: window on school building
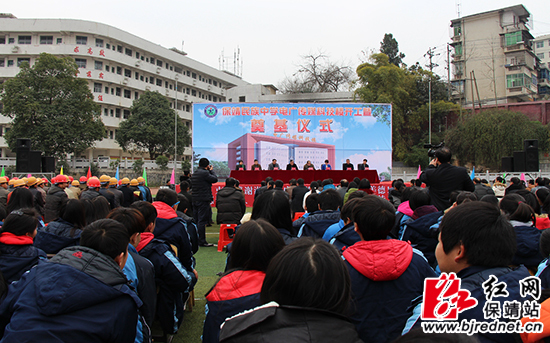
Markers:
point(81, 40)
point(24, 40)
point(21, 60)
point(97, 87)
point(99, 43)
point(128, 52)
point(117, 113)
point(59, 41)
point(46, 39)
point(80, 62)
point(98, 65)
point(540, 44)
point(127, 94)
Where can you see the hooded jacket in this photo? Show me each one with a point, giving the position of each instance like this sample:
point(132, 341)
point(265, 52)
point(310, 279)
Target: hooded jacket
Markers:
point(235, 292)
point(56, 236)
point(172, 279)
point(55, 198)
point(17, 256)
point(345, 238)
point(274, 323)
point(423, 234)
point(318, 222)
point(81, 295)
point(472, 279)
point(386, 275)
point(231, 206)
point(172, 229)
point(527, 241)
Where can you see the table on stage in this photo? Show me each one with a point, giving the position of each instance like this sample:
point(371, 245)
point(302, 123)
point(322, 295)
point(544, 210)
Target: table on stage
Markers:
point(257, 176)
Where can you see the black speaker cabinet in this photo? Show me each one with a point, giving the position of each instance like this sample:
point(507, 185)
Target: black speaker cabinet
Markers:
point(48, 164)
point(508, 164)
point(519, 161)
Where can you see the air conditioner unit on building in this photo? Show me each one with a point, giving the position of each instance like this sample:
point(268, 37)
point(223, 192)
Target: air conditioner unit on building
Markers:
point(167, 92)
point(209, 87)
point(15, 49)
point(221, 92)
point(194, 82)
point(185, 97)
point(125, 81)
point(148, 88)
point(138, 63)
point(158, 70)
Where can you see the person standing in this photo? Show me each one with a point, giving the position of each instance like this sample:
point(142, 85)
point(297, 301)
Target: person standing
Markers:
point(202, 181)
point(56, 198)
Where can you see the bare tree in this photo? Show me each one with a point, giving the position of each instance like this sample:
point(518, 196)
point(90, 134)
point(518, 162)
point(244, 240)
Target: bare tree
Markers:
point(317, 74)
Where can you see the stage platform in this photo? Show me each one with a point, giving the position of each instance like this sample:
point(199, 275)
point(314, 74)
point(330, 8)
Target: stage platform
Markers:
point(257, 176)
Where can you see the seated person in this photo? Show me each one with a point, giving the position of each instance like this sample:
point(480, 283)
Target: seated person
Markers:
point(317, 222)
point(309, 166)
point(348, 165)
point(306, 294)
point(382, 269)
point(363, 166)
point(174, 280)
point(522, 218)
point(240, 166)
point(256, 166)
point(343, 233)
point(230, 203)
point(291, 165)
point(172, 229)
point(543, 272)
point(273, 165)
point(477, 242)
point(311, 205)
point(65, 230)
point(326, 166)
point(80, 295)
point(273, 206)
point(238, 290)
point(17, 253)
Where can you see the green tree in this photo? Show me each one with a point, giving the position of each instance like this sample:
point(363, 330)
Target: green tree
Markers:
point(484, 138)
point(390, 47)
point(150, 127)
point(407, 90)
point(52, 107)
point(137, 167)
point(162, 162)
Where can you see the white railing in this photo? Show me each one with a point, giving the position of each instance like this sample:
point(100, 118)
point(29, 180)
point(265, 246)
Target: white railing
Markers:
point(485, 175)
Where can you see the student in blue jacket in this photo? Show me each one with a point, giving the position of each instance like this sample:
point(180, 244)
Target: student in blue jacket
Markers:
point(386, 274)
point(477, 242)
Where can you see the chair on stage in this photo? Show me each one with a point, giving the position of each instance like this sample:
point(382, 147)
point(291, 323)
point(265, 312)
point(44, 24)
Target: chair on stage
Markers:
point(226, 235)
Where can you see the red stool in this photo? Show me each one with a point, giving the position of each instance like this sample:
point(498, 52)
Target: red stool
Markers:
point(224, 238)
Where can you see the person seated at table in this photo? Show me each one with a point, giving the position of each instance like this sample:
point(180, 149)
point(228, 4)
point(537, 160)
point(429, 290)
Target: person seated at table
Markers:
point(326, 166)
point(291, 166)
point(273, 165)
point(348, 165)
point(363, 166)
point(309, 166)
point(256, 166)
point(240, 166)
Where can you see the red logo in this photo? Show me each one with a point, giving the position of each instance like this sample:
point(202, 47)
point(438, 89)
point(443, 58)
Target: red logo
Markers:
point(78, 254)
point(443, 298)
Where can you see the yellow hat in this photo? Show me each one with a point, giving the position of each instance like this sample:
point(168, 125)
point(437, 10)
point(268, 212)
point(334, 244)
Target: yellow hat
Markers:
point(12, 182)
point(20, 183)
point(113, 181)
point(141, 179)
point(3, 180)
point(134, 182)
point(31, 181)
point(125, 181)
point(104, 179)
point(75, 183)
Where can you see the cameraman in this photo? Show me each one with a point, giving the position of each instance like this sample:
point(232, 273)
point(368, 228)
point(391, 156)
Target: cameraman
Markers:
point(443, 178)
point(202, 181)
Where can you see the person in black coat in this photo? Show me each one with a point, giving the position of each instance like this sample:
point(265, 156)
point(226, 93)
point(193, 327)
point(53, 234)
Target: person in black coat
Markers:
point(230, 203)
point(363, 166)
point(443, 178)
point(298, 193)
point(202, 181)
point(348, 165)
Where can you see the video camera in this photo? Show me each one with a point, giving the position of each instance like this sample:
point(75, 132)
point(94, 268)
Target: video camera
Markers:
point(432, 148)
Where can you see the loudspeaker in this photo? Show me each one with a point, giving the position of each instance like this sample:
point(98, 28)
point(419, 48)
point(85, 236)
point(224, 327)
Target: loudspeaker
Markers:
point(532, 159)
point(519, 161)
point(23, 144)
point(530, 144)
point(508, 164)
point(48, 164)
point(22, 160)
point(35, 162)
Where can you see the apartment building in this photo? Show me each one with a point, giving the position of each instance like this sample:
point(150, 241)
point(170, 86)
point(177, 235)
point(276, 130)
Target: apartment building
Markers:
point(118, 66)
point(541, 45)
point(493, 61)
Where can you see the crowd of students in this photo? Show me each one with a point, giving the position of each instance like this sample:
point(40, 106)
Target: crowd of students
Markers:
point(351, 268)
